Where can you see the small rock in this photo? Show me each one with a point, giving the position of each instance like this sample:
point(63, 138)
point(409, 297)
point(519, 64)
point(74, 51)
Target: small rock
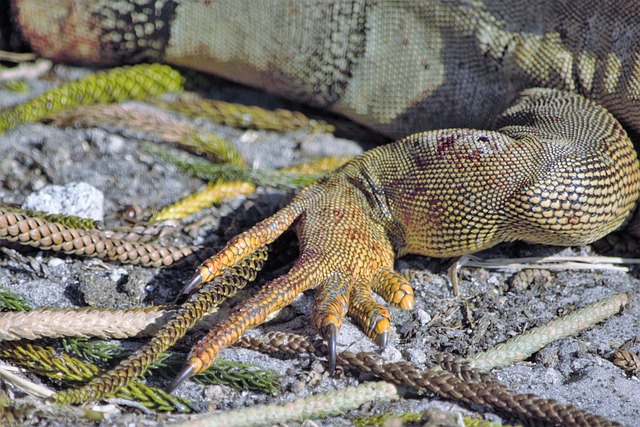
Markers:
point(551, 377)
point(422, 317)
point(317, 366)
point(323, 145)
point(54, 262)
point(115, 143)
point(415, 356)
point(76, 198)
point(118, 274)
point(106, 143)
point(392, 354)
point(298, 387)
point(214, 392)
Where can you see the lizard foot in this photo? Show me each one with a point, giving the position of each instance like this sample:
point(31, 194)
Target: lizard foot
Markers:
point(345, 254)
point(337, 297)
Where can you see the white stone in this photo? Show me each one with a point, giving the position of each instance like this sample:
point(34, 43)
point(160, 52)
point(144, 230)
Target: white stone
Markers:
point(76, 198)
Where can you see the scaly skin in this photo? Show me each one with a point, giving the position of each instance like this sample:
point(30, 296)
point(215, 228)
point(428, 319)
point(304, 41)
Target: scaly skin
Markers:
point(543, 178)
point(560, 169)
point(398, 67)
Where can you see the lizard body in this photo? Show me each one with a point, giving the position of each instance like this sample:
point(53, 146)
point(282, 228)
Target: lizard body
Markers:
point(399, 67)
point(560, 169)
point(539, 177)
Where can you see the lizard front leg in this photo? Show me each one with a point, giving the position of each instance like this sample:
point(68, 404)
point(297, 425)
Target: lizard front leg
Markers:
point(560, 170)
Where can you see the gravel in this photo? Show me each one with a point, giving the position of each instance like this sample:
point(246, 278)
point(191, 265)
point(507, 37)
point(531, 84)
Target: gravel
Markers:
point(490, 310)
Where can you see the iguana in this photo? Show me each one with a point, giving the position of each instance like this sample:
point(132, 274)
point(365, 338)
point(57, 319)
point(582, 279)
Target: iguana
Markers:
point(559, 81)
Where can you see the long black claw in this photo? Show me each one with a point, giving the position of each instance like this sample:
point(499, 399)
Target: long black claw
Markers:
point(331, 335)
point(185, 374)
point(195, 281)
point(382, 340)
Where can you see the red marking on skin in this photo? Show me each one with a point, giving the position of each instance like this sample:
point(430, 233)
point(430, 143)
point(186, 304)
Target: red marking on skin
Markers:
point(475, 154)
point(62, 43)
point(618, 127)
point(445, 143)
point(355, 234)
point(449, 149)
point(572, 218)
point(434, 212)
point(431, 213)
point(423, 161)
point(337, 216)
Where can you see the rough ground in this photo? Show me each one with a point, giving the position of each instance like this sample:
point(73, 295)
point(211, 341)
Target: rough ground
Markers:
point(490, 309)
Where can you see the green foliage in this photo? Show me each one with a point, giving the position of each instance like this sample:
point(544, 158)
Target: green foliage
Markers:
point(46, 361)
point(209, 296)
point(204, 169)
point(10, 301)
point(18, 86)
point(244, 116)
point(414, 417)
point(49, 363)
point(218, 149)
point(475, 422)
point(154, 398)
point(70, 221)
point(167, 360)
point(241, 376)
point(384, 418)
point(92, 351)
point(118, 84)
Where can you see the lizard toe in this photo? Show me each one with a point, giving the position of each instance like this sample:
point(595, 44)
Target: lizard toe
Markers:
point(394, 288)
point(330, 307)
point(373, 318)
